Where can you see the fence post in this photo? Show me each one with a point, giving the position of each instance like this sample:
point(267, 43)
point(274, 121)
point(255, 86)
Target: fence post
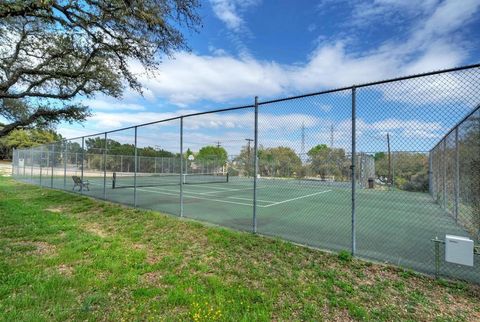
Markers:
point(13, 161)
point(255, 167)
point(457, 175)
point(444, 173)
point(181, 166)
point(352, 167)
point(53, 162)
point(65, 156)
point(135, 172)
point(31, 165)
point(40, 163)
point(81, 160)
point(430, 163)
point(105, 167)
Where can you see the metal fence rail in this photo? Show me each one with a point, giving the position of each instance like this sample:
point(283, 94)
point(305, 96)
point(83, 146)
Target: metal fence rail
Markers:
point(379, 169)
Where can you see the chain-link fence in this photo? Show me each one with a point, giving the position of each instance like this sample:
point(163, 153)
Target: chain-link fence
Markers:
point(385, 170)
point(455, 171)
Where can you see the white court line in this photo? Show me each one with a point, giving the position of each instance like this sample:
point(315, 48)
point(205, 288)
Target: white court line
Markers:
point(194, 197)
point(242, 189)
point(232, 202)
point(250, 199)
point(288, 200)
point(206, 186)
point(212, 192)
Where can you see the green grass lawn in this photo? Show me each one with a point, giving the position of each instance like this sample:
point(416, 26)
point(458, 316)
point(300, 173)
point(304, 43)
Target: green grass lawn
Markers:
point(68, 257)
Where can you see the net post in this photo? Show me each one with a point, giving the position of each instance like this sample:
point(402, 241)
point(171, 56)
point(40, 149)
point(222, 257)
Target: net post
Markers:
point(81, 160)
point(65, 155)
point(181, 166)
point(457, 175)
point(352, 167)
point(135, 171)
point(255, 166)
point(105, 167)
point(52, 162)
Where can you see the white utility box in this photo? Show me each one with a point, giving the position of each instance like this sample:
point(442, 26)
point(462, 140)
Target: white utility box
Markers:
point(459, 250)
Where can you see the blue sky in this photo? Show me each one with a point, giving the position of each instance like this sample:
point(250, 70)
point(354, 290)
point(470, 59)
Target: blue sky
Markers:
point(280, 48)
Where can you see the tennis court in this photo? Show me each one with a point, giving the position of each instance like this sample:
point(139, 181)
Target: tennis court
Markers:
point(313, 213)
point(306, 151)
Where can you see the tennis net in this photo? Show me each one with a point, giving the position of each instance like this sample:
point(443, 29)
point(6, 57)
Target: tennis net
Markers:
point(127, 180)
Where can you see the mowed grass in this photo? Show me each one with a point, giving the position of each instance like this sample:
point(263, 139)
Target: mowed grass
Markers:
point(68, 257)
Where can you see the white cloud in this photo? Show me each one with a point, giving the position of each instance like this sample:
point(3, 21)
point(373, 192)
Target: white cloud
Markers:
point(112, 105)
point(388, 11)
point(230, 12)
point(220, 77)
point(432, 44)
point(191, 78)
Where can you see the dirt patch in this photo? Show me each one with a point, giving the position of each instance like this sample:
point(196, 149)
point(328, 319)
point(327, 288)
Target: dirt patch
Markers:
point(44, 248)
point(96, 230)
point(373, 274)
point(151, 278)
point(153, 257)
point(58, 209)
point(35, 248)
point(139, 246)
point(65, 270)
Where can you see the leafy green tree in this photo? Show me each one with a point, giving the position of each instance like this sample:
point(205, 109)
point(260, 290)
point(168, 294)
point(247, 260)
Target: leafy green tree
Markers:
point(54, 51)
point(325, 161)
point(242, 164)
point(409, 170)
point(279, 162)
point(26, 138)
point(210, 158)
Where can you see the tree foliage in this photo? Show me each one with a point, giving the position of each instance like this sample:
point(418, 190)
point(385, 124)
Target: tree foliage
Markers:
point(409, 170)
point(54, 51)
point(278, 162)
point(212, 153)
point(24, 139)
point(325, 161)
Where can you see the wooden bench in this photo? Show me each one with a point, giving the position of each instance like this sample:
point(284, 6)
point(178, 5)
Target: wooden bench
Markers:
point(78, 182)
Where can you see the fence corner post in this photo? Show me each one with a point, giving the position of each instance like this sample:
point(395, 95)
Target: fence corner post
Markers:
point(352, 167)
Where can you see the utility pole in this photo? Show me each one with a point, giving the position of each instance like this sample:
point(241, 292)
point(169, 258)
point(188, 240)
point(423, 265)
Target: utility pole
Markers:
point(218, 144)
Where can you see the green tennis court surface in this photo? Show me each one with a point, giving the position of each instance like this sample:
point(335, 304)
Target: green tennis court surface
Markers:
point(396, 226)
